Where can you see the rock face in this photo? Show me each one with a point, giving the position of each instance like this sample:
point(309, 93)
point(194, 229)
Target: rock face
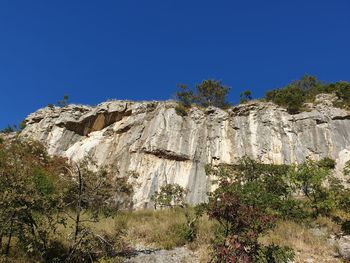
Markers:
point(150, 140)
point(344, 247)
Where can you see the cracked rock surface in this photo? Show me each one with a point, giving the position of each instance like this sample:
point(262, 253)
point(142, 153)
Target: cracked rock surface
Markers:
point(150, 140)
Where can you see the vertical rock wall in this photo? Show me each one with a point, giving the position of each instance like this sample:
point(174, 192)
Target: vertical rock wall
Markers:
point(150, 140)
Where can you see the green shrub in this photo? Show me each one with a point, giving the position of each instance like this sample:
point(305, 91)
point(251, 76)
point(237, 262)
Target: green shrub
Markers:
point(345, 227)
point(247, 200)
point(274, 254)
point(327, 163)
point(181, 110)
point(245, 96)
point(170, 195)
point(294, 95)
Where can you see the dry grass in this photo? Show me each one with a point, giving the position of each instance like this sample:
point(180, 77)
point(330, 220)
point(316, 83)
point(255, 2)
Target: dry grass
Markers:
point(147, 228)
point(308, 243)
point(160, 229)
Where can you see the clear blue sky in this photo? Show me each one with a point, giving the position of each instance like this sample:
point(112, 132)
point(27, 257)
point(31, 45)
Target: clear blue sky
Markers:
point(140, 50)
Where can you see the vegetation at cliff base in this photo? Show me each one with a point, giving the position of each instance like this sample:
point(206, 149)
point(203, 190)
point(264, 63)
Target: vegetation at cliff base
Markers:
point(52, 210)
point(41, 194)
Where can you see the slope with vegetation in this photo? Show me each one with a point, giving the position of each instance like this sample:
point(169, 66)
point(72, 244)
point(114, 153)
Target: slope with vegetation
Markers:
point(55, 211)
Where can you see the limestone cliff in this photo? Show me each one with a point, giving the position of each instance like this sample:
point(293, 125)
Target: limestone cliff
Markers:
point(150, 140)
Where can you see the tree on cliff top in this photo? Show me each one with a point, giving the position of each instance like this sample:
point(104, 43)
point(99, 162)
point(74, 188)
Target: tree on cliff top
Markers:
point(212, 93)
point(208, 93)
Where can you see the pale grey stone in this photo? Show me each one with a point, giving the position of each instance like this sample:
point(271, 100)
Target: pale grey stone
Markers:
point(151, 140)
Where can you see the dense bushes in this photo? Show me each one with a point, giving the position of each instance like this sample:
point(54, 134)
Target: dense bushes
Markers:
point(40, 194)
point(294, 95)
point(246, 203)
point(251, 196)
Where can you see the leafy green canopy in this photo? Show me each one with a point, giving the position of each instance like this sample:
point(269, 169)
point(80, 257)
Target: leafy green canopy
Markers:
point(208, 93)
point(170, 195)
point(249, 197)
point(294, 95)
point(39, 193)
point(30, 196)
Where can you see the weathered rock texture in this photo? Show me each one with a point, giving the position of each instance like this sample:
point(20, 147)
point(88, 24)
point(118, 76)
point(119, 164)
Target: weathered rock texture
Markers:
point(150, 140)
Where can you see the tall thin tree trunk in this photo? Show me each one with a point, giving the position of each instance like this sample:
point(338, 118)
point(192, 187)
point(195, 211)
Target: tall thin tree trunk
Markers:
point(8, 245)
point(78, 208)
point(0, 242)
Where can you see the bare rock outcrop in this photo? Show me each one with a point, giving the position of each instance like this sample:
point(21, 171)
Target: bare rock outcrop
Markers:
point(150, 140)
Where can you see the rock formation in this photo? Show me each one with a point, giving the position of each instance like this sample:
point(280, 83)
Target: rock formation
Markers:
point(151, 142)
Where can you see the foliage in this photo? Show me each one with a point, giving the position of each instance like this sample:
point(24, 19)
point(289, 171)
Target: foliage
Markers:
point(245, 96)
point(37, 193)
point(208, 93)
point(181, 110)
point(294, 95)
point(290, 97)
point(346, 169)
point(274, 254)
point(22, 125)
point(326, 163)
point(63, 102)
point(92, 193)
point(170, 195)
point(29, 203)
point(185, 96)
point(190, 228)
point(345, 227)
point(245, 203)
point(309, 177)
point(9, 129)
point(266, 186)
point(14, 127)
point(212, 93)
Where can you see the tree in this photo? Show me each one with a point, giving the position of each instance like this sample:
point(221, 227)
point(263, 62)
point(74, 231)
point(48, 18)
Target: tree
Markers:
point(170, 195)
point(208, 93)
point(212, 93)
point(245, 96)
point(310, 178)
point(39, 193)
point(241, 204)
point(185, 97)
point(30, 200)
point(9, 129)
point(64, 101)
point(92, 193)
point(291, 97)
